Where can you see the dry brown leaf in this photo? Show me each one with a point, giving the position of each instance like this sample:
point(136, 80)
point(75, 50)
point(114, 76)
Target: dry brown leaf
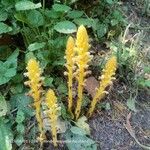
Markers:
point(90, 85)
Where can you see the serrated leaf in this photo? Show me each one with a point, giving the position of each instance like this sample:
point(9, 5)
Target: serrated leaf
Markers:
point(36, 46)
point(3, 106)
point(65, 27)
point(26, 5)
point(20, 116)
point(4, 28)
point(20, 128)
point(19, 139)
point(61, 8)
point(35, 18)
point(5, 137)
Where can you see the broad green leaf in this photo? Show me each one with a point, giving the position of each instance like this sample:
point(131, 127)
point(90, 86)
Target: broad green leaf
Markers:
point(61, 8)
point(4, 28)
point(8, 68)
point(5, 137)
point(3, 106)
point(35, 18)
point(102, 30)
point(77, 130)
point(36, 46)
point(3, 15)
point(52, 14)
point(109, 2)
point(66, 27)
point(62, 89)
point(26, 5)
point(75, 14)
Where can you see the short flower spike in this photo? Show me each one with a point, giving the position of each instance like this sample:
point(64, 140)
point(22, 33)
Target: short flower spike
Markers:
point(34, 75)
point(51, 102)
point(106, 79)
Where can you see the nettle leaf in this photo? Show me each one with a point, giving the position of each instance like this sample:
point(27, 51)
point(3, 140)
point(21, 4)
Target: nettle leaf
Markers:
point(5, 136)
point(35, 18)
point(36, 46)
point(26, 5)
point(8, 68)
point(4, 28)
point(3, 106)
point(61, 8)
point(66, 27)
point(75, 14)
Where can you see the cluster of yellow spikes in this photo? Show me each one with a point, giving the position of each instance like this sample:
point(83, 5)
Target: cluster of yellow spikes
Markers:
point(35, 83)
point(77, 59)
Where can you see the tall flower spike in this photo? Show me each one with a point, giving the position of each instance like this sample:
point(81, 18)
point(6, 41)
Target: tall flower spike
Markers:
point(34, 75)
point(106, 79)
point(82, 59)
point(51, 102)
point(70, 67)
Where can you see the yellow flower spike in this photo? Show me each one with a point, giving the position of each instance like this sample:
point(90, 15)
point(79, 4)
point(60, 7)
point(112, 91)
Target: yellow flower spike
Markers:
point(34, 75)
point(70, 67)
point(106, 79)
point(51, 102)
point(82, 59)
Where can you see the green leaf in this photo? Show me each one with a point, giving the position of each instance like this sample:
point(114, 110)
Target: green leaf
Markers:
point(22, 102)
point(62, 89)
point(26, 5)
point(20, 128)
point(3, 15)
point(8, 68)
point(131, 104)
point(36, 46)
point(75, 14)
point(4, 28)
point(35, 18)
point(5, 137)
point(48, 81)
point(61, 8)
point(19, 139)
point(3, 106)
point(84, 21)
point(20, 116)
point(52, 14)
point(102, 30)
point(77, 130)
point(66, 27)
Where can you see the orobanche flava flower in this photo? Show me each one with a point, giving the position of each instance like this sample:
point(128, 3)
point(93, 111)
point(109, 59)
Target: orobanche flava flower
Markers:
point(106, 79)
point(82, 59)
point(70, 67)
point(51, 102)
point(34, 75)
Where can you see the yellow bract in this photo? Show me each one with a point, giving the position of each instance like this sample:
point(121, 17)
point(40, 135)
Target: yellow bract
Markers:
point(106, 79)
point(51, 102)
